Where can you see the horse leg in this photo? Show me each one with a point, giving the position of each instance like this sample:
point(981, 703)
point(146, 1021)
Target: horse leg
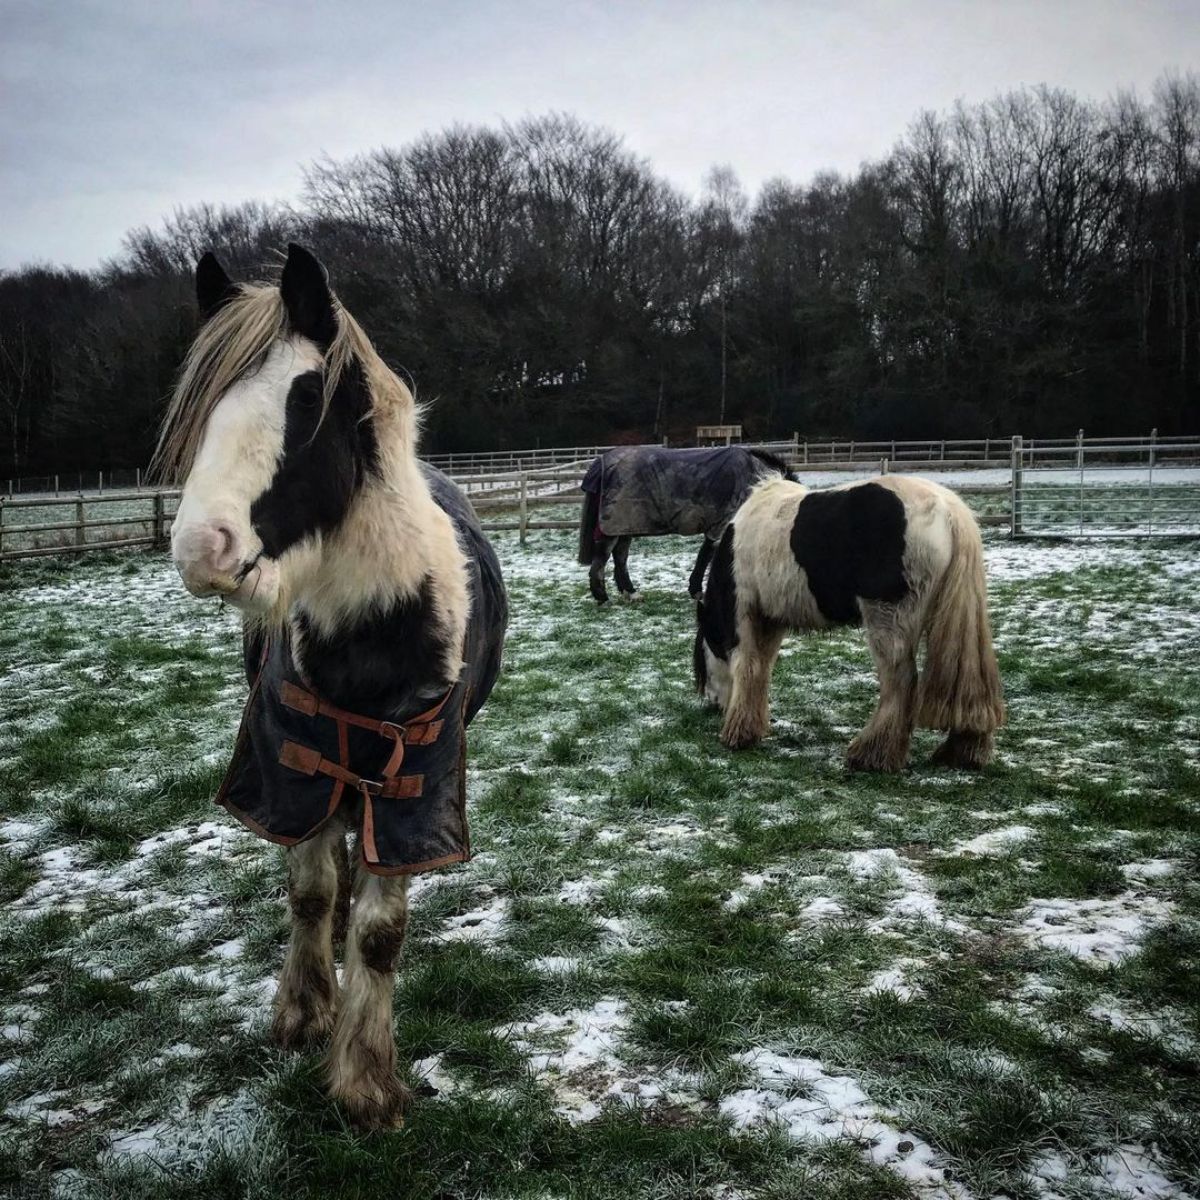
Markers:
point(306, 1000)
point(602, 548)
point(883, 743)
point(621, 569)
point(696, 582)
point(361, 1069)
point(747, 719)
point(965, 748)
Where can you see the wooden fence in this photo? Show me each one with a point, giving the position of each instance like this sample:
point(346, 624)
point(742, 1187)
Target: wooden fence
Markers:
point(828, 453)
point(32, 527)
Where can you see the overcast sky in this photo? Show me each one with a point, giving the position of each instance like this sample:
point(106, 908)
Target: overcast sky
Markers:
point(113, 112)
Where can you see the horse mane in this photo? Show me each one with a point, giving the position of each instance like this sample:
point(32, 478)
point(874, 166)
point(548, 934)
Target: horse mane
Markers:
point(773, 461)
point(232, 343)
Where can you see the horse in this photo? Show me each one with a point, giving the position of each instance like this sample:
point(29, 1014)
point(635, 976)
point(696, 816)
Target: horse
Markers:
point(900, 556)
point(374, 614)
point(645, 491)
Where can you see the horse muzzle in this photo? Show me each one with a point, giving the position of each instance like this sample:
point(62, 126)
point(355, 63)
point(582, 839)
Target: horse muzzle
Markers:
point(212, 560)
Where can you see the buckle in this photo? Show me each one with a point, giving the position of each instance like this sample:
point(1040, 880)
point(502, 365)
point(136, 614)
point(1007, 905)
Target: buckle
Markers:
point(370, 787)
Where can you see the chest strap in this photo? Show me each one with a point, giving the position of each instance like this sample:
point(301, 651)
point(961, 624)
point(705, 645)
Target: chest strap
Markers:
point(421, 730)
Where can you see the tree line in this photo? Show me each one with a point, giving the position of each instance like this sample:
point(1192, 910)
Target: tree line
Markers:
point(1031, 263)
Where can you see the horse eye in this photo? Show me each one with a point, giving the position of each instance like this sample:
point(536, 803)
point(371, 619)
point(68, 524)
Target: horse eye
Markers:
point(306, 396)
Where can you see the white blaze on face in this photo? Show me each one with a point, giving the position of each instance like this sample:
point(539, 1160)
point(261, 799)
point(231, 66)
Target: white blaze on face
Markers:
point(212, 539)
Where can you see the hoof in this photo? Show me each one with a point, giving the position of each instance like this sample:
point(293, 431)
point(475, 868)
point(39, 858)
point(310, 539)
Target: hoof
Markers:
point(294, 1028)
point(741, 737)
point(632, 597)
point(875, 755)
point(374, 1105)
point(965, 751)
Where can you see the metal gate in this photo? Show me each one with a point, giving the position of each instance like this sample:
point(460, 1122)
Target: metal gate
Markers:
point(1135, 488)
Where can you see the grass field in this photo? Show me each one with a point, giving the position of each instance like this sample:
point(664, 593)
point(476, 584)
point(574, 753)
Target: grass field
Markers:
point(669, 971)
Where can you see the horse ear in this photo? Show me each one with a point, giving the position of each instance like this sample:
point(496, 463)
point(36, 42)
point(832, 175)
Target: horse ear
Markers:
point(214, 288)
point(306, 296)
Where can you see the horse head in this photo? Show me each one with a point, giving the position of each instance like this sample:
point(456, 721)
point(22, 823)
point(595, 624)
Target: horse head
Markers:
point(273, 430)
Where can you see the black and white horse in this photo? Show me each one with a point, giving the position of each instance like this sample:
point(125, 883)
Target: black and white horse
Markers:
point(374, 616)
point(900, 556)
point(648, 491)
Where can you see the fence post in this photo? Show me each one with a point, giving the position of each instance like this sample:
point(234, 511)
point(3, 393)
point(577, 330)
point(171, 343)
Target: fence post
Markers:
point(943, 449)
point(80, 528)
point(883, 466)
point(1079, 449)
point(987, 446)
point(1153, 440)
point(1, 527)
point(56, 486)
point(137, 476)
point(160, 521)
point(1015, 522)
point(100, 476)
point(524, 508)
point(806, 452)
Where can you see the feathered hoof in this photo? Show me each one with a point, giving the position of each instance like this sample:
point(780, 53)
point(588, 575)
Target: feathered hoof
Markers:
point(965, 751)
point(741, 737)
point(374, 1104)
point(876, 754)
point(294, 1027)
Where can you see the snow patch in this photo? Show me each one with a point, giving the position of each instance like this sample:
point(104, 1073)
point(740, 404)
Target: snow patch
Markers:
point(799, 1094)
point(1103, 931)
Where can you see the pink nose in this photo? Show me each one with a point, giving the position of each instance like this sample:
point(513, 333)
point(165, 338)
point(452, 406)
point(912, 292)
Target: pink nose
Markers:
point(206, 551)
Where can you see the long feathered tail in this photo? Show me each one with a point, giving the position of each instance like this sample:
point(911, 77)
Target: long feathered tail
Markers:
point(960, 681)
point(588, 516)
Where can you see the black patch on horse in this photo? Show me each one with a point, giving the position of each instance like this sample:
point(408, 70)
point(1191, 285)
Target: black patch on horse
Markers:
point(850, 544)
point(324, 461)
point(773, 462)
point(375, 663)
point(716, 617)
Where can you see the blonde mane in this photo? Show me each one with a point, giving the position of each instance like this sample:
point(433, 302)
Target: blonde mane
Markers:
point(233, 343)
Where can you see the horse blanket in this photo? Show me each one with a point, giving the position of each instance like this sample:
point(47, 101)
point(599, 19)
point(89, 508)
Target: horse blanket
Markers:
point(298, 757)
point(645, 491)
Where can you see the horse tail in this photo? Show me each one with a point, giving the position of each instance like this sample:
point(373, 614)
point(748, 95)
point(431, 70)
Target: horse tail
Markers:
point(960, 681)
point(588, 517)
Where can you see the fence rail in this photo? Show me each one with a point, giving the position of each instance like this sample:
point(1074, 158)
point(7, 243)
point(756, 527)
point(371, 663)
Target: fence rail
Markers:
point(828, 453)
point(1111, 487)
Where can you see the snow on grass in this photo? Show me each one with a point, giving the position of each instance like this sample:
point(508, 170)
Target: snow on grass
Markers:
point(579, 1055)
point(821, 898)
point(1128, 1171)
point(1101, 931)
point(800, 1095)
point(995, 841)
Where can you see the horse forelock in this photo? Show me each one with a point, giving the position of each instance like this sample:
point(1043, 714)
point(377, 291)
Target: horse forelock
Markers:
point(234, 342)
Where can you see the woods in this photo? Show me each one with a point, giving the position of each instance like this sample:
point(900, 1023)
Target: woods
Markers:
point(1031, 263)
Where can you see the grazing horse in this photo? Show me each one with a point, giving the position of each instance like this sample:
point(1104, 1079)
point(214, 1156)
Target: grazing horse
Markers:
point(900, 556)
point(646, 491)
point(373, 615)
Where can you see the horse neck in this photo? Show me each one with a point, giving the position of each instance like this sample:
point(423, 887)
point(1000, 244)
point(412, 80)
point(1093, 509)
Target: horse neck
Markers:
point(397, 552)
